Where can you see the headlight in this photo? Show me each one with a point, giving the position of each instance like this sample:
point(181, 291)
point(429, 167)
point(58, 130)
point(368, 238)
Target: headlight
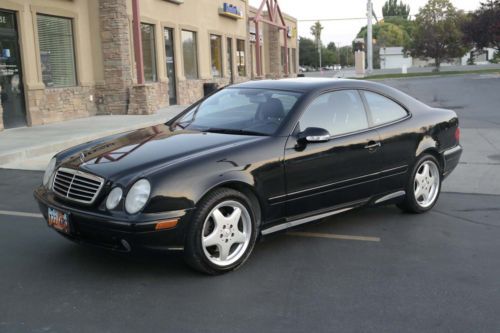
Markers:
point(137, 196)
point(114, 198)
point(49, 171)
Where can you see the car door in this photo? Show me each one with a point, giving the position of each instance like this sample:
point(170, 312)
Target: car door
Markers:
point(398, 144)
point(325, 175)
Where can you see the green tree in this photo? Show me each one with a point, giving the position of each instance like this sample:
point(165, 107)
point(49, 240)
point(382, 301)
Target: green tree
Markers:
point(316, 32)
point(482, 28)
point(332, 47)
point(391, 8)
point(385, 35)
point(329, 57)
point(437, 32)
point(346, 56)
point(308, 52)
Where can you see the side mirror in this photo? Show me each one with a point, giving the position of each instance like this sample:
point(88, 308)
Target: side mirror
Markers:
point(314, 134)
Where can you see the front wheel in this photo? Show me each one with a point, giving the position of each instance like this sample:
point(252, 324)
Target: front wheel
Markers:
point(424, 186)
point(222, 232)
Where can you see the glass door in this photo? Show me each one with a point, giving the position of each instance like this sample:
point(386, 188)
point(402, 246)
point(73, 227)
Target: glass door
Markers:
point(170, 58)
point(11, 86)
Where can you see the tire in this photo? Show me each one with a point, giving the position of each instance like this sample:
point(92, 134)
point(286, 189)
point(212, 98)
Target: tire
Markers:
point(222, 232)
point(429, 186)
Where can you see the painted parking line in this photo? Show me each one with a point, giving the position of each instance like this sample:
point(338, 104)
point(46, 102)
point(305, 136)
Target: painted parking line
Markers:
point(291, 233)
point(23, 214)
point(333, 236)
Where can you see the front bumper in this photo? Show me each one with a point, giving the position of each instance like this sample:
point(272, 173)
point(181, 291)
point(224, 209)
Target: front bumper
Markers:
point(118, 234)
point(451, 158)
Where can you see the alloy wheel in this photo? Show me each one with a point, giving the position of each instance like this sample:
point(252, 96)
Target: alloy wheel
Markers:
point(426, 184)
point(226, 233)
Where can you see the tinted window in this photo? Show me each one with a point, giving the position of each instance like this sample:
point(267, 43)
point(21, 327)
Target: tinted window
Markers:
point(148, 51)
point(240, 57)
point(216, 55)
point(383, 110)
point(189, 54)
point(338, 112)
point(251, 110)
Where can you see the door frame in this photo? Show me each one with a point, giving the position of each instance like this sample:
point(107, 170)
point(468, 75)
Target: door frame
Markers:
point(16, 9)
point(230, 52)
point(173, 30)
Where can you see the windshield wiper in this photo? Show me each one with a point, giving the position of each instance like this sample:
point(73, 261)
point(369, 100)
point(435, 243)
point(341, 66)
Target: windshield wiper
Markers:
point(232, 131)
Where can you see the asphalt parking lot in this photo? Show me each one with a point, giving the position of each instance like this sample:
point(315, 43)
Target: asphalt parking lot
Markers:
point(373, 269)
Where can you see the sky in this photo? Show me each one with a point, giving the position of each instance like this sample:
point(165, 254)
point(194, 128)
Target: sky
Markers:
point(343, 32)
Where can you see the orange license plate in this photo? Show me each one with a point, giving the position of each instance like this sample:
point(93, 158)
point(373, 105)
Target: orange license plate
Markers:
point(59, 220)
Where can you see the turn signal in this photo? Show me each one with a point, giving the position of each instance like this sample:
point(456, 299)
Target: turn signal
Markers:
point(167, 224)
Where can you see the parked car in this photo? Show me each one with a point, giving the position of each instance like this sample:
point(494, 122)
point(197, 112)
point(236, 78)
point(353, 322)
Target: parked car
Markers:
point(250, 160)
point(302, 69)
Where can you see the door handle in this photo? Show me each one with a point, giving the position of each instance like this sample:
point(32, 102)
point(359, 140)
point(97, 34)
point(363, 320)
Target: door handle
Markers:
point(372, 145)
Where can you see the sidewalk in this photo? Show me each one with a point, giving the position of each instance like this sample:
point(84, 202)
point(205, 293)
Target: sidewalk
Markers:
point(30, 148)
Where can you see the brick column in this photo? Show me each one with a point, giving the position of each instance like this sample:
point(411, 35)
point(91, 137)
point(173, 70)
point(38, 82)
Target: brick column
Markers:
point(115, 42)
point(274, 52)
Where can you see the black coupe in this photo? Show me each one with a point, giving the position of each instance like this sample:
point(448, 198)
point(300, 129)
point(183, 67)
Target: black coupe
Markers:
point(251, 159)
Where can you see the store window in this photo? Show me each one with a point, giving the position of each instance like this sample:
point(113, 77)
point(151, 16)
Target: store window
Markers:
point(189, 54)
point(148, 52)
point(294, 59)
point(240, 54)
point(216, 55)
point(57, 52)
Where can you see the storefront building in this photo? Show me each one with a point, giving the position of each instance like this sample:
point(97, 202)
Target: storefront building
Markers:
point(67, 59)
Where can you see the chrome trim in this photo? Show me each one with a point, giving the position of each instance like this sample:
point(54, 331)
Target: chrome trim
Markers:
point(390, 196)
point(79, 174)
point(374, 145)
point(452, 150)
point(294, 223)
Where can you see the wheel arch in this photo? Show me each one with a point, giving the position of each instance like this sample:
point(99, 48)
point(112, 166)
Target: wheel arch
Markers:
point(429, 145)
point(244, 188)
point(439, 157)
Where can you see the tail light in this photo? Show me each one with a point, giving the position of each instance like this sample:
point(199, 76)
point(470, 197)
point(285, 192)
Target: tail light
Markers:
point(457, 135)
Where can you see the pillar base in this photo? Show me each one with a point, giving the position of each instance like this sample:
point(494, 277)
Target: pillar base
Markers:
point(143, 99)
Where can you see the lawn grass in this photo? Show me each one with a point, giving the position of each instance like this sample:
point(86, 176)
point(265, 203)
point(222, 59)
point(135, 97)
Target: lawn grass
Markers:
point(400, 75)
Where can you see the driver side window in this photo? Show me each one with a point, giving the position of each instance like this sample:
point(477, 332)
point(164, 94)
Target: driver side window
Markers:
point(338, 112)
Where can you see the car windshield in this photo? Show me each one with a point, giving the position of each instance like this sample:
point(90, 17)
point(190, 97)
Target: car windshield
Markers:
point(240, 111)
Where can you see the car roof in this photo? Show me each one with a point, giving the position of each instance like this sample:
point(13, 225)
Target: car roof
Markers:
point(308, 84)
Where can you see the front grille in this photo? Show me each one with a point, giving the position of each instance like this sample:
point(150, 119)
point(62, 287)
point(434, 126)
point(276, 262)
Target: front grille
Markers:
point(77, 185)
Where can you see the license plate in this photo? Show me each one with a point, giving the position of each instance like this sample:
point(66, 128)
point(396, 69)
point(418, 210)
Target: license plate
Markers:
point(59, 220)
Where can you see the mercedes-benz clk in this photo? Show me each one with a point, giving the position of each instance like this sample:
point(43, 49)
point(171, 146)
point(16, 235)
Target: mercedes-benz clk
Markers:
point(250, 160)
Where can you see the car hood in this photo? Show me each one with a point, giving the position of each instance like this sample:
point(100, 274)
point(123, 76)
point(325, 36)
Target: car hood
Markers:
point(144, 149)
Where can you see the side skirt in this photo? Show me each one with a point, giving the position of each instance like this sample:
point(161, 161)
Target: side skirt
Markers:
point(293, 223)
point(390, 196)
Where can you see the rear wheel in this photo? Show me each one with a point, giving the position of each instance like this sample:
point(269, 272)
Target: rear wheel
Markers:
point(222, 233)
point(424, 186)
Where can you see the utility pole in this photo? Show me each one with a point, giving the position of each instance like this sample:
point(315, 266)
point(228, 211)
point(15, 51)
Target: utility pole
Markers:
point(369, 37)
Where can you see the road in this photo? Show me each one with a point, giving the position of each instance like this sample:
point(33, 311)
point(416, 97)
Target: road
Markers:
point(394, 272)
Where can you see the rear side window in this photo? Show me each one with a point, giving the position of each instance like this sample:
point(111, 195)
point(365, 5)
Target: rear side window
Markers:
point(338, 112)
point(383, 110)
